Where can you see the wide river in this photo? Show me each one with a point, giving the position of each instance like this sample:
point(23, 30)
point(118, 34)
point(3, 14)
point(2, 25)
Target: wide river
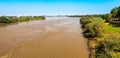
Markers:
point(55, 37)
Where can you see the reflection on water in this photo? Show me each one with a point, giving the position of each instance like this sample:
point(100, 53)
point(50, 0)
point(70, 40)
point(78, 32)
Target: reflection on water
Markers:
point(55, 37)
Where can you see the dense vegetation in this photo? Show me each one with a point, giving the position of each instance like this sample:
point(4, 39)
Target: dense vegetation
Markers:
point(106, 36)
point(113, 15)
point(108, 46)
point(14, 19)
point(92, 27)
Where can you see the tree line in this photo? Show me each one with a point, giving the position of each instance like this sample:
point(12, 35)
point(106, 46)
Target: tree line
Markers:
point(114, 15)
point(15, 19)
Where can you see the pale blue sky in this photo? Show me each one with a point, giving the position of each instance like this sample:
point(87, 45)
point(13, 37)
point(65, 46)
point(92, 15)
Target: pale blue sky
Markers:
point(56, 7)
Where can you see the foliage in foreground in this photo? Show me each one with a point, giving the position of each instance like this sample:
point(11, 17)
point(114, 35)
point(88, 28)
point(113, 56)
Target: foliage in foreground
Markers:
point(107, 45)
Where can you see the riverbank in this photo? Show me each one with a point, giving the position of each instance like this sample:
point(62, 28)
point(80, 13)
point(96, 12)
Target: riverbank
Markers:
point(103, 38)
point(5, 20)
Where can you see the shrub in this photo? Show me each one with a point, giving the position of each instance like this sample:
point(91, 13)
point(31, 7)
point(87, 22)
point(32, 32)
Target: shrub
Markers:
point(13, 20)
point(84, 21)
point(109, 47)
point(4, 20)
point(89, 31)
point(94, 29)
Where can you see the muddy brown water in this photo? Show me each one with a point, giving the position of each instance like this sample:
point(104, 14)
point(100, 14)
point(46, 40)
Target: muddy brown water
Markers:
point(55, 37)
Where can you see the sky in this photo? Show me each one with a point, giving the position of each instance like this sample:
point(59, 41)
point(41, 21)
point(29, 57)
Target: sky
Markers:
point(56, 7)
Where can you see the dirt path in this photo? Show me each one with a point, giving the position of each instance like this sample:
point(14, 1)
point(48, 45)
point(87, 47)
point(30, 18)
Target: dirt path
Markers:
point(56, 37)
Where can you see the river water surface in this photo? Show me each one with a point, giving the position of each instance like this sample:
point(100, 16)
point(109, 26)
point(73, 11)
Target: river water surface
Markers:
point(55, 37)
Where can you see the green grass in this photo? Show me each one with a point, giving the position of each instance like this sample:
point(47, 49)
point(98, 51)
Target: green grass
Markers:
point(112, 29)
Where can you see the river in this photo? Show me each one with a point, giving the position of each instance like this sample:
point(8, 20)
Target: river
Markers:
point(55, 37)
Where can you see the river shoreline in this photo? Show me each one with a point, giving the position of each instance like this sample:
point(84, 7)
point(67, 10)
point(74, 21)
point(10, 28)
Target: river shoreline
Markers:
point(91, 47)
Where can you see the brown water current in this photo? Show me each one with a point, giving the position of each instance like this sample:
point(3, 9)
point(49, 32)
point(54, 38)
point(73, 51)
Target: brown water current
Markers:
point(55, 37)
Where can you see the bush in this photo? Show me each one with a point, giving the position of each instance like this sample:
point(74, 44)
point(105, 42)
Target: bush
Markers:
point(4, 20)
point(84, 21)
point(13, 20)
point(89, 31)
point(109, 47)
point(29, 18)
point(94, 29)
point(107, 17)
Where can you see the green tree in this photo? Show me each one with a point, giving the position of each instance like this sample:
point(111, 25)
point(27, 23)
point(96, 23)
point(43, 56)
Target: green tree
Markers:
point(5, 20)
point(84, 21)
point(107, 17)
point(115, 12)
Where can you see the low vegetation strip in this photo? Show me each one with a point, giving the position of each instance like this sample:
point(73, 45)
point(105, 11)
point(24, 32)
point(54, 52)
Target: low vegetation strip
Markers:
point(15, 19)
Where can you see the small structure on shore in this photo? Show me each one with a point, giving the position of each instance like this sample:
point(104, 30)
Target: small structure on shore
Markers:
point(115, 22)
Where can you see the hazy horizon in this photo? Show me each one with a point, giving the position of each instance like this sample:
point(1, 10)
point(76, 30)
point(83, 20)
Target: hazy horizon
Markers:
point(56, 7)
